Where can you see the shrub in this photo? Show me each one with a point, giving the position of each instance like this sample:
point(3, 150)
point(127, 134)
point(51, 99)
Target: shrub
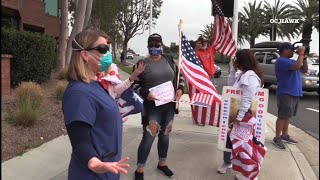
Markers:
point(60, 88)
point(219, 58)
point(62, 74)
point(34, 55)
point(29, 96)
point(26, 114)
point(29, 91)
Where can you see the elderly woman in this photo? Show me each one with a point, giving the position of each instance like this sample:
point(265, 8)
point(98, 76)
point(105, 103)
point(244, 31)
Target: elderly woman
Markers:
point(91, 115)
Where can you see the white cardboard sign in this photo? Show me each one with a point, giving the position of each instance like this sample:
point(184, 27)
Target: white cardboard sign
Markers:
point(231, 97)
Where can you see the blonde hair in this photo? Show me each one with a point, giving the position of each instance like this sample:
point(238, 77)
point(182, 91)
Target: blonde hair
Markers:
point(78, 70)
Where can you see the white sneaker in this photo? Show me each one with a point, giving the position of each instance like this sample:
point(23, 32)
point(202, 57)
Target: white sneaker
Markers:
point(223, 168)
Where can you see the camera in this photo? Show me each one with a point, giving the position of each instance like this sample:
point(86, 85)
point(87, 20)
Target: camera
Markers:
point(307, 48)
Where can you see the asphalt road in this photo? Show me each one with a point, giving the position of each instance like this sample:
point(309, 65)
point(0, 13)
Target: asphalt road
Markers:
point(307, 118)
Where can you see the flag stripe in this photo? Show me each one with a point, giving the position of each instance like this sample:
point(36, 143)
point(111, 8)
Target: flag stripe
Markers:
point(223, 39)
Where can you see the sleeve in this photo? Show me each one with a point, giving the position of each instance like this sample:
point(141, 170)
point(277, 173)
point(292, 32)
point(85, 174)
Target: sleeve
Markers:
point(181, 82)
point(248, 94)
point(79, 135)
point(77, 106)
point(120, 88)
point(284, 64)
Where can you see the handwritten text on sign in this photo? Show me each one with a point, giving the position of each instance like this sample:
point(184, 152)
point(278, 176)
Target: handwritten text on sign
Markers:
point(163, 92)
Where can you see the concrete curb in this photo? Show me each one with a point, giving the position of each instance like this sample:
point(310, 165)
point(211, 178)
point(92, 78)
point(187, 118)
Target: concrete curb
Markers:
point(304, 166)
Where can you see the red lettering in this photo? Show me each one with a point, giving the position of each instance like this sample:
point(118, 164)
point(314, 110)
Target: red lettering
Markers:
point(233, 92)
point(228, 90)
point(261, 99)
point(261, 105)
point(260, 112)
point(260, 93)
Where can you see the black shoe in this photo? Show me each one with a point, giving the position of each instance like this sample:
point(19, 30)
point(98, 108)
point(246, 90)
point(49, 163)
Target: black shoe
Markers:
point(165, 170)
point(138, 175)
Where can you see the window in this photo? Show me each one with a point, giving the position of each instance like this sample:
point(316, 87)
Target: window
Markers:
point(259, 57)
point(271, 58)
point(51, 7)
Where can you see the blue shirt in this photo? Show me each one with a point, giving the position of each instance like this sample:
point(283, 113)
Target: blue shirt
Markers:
point(288, 81)
point(90, 103)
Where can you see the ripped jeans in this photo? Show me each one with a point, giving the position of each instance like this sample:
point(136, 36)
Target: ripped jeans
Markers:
point(160, 121)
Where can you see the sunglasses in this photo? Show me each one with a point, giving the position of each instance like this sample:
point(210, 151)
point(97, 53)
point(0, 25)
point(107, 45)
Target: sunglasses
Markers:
point(102, 49)
point(154, 45)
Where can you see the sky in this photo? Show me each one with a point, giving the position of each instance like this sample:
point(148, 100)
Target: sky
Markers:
point(194, 15)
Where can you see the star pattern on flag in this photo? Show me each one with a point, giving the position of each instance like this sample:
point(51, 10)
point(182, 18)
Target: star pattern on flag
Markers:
point(188, 52)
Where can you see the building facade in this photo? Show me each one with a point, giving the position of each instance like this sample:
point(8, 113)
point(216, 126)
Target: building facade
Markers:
point(32, 15)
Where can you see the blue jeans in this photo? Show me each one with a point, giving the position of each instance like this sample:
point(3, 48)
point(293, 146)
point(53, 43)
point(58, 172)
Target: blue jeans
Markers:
point(226, 154)
point(161, 116)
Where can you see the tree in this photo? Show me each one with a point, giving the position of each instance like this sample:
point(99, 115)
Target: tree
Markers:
point(308, 13)
point(279, 10)
point(80, 12)
point(134, 18)
point(207, 32)
point(251, 18)
point(63, 34)
point(88, 13)
point(104, 16)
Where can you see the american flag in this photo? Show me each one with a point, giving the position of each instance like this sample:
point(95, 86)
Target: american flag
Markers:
point(223, 39)
point(198, 82)
point(206, 99)
point(247, 156)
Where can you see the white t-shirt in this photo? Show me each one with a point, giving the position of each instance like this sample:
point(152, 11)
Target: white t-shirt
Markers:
point(249, 83)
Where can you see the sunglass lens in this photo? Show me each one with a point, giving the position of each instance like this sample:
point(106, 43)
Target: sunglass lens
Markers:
point(103, 49)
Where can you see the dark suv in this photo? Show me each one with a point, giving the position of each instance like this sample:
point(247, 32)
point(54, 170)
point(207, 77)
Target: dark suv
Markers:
point(267, 57)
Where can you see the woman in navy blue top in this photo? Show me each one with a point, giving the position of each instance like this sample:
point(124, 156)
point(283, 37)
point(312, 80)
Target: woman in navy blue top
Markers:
point(91, 115)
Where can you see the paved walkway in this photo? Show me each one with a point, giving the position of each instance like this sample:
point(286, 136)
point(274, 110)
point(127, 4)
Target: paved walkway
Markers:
point(193, 155)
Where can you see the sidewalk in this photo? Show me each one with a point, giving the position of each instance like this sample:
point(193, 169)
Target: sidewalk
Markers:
point(193, 155)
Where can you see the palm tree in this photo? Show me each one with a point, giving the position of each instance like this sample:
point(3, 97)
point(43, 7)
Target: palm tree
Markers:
point(207, 32)
point(250, 22)
point(279, 10)
point(308, 13)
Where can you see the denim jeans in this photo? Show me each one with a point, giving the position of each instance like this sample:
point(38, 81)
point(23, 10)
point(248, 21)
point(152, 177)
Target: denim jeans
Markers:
point(163, 115)
point(226, 154)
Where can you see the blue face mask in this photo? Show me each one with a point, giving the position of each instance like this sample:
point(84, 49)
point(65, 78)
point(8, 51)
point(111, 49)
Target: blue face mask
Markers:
point(106, 61)
point(153, 51)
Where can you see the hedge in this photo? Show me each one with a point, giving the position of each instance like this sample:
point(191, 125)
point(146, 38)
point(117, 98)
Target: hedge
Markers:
point(34, 55)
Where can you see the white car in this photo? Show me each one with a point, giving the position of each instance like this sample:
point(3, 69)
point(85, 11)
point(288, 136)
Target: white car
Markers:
point(129, 56)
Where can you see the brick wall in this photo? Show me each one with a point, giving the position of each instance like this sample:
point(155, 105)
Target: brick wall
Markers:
point(5, 74)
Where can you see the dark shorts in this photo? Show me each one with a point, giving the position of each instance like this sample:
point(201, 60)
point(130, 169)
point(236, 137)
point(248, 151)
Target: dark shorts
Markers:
point(287, 106)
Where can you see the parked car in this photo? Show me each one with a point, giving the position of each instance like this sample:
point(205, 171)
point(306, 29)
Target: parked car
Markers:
point(217, 72)
point(268, 57)
point(129, 55)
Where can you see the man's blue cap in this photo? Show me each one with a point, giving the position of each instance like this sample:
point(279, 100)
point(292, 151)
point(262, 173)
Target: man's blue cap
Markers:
point(286, 45)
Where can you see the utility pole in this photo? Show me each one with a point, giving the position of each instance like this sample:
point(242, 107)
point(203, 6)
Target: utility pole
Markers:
point(150, 24)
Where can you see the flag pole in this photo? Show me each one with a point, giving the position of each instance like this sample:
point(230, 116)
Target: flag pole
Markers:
point(234, 28)
point(179, 61)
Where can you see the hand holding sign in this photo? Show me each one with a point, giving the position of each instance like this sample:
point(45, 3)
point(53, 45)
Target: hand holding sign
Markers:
point(163, 93)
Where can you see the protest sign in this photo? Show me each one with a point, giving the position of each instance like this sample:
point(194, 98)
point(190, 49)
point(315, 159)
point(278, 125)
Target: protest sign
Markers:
point(231, 97)
point(164, 93)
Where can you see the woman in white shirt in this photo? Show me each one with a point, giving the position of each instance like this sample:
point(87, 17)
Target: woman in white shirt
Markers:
point(246, 74)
